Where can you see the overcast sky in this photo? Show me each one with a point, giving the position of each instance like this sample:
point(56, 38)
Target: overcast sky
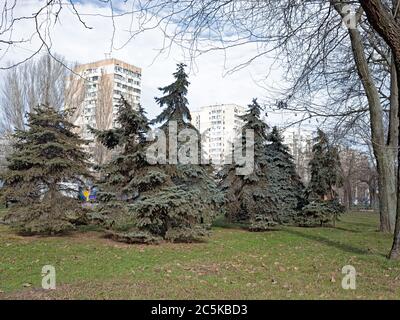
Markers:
point(210, 83)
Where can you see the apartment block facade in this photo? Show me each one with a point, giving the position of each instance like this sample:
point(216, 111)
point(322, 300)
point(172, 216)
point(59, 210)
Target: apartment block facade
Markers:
point(300, 143)
point(219, 126)
point(94, 91)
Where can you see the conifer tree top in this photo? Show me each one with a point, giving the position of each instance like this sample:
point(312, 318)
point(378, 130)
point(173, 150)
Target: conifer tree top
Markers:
point(325, 167)
point(321, 141)
point(275, 136)
point(252, 120)
point(277, 141)
point(174, 98)
point(133, 125)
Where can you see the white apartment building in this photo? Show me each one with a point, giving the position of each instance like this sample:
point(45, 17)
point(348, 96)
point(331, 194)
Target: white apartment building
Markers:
point(300, 143)
point(96, 90)
point(218, 125)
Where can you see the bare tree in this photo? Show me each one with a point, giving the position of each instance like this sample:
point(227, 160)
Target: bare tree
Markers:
point(104, 116)
point(386, 21)
point(12, 102)
point(93, 100)
point(40, 23)
point(5, 149)
point(35, 82)
point(367, 174)
point(347, 160)
point(356, 171)
point(74, 96)
point(360, 139)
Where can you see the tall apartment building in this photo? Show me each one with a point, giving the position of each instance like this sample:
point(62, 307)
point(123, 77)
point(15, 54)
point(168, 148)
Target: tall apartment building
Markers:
point(94, 92)
point(219, 125)
point(300, 144)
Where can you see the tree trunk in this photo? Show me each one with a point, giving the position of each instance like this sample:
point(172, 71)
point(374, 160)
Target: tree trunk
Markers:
point(348, 199)
point(388, 26)
point(395, 251)
point(47, 85)
point(392, 143)
point(345, 197)
point(372, 193)
point(381, 152)
point(387, 189)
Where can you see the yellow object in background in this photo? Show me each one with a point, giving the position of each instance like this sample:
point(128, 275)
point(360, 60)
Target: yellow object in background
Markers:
point(86, 194)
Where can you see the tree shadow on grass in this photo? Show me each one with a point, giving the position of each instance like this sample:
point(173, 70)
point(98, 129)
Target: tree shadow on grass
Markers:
point(331, 243)
point(222, 222)
point(361, 224)
point(348, 230)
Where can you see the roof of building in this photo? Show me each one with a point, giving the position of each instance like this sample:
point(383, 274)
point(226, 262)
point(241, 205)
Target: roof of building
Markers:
point(105, 62)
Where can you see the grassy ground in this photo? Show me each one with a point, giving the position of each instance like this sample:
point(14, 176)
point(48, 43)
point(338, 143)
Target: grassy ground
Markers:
point(293, 263)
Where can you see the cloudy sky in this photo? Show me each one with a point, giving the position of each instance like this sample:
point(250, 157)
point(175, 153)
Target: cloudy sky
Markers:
point(211, 83)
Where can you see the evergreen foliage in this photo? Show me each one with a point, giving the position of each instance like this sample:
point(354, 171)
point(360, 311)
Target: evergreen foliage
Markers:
point(175, 100)
point(285, 191)
point(325, 168)
point(318, 213)
point(183, 206)
point(323, 207)
point(174, 202)
point(118, 185)
point(246, 198)
point(45, 164)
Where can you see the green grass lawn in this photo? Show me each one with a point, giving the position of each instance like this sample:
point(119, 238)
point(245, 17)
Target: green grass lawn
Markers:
point(292, 263)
